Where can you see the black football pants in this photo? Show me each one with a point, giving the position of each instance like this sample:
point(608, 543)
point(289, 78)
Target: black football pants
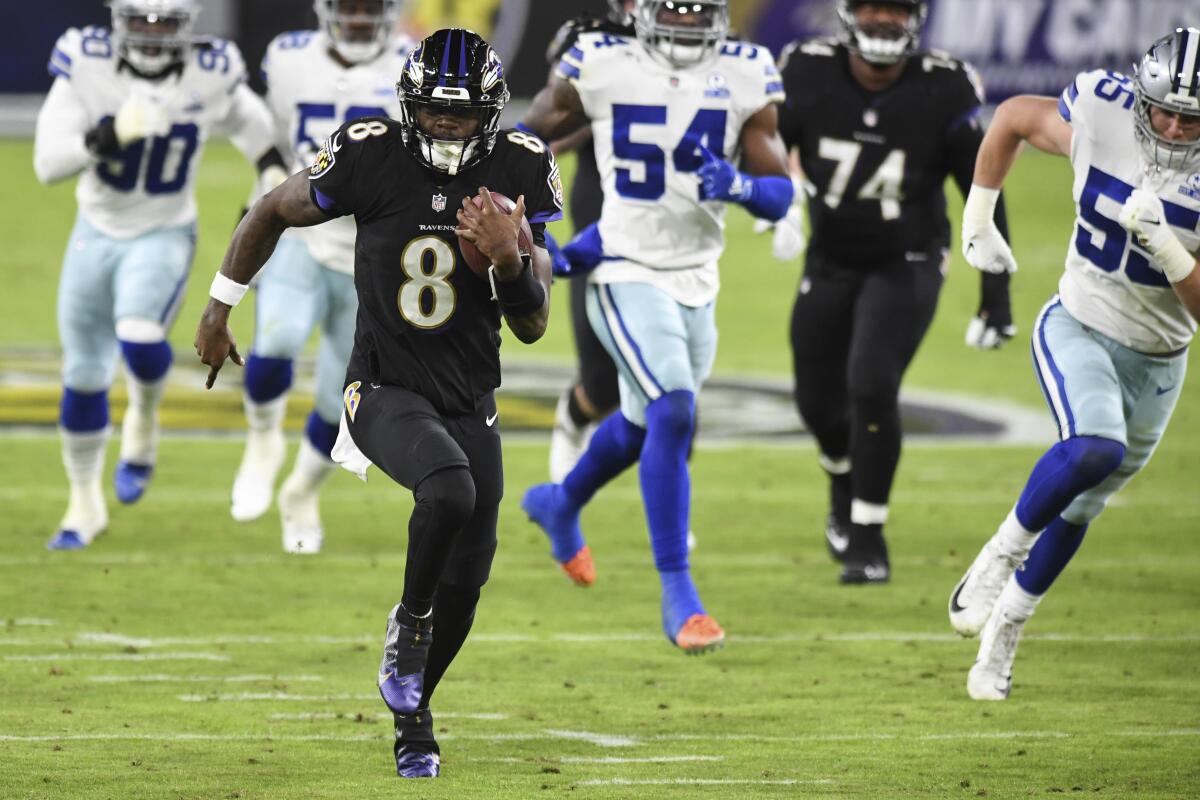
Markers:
point(854, 333)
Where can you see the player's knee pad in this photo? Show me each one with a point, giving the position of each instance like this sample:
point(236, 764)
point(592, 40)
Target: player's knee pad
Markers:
point(672, 416)
point(1090, 459)
point(83, 412)
point(266, 378)
point(148, 361)
point(446, 498)
point(320, 434)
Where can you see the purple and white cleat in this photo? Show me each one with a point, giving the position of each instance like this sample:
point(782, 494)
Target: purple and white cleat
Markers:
point(402, 670)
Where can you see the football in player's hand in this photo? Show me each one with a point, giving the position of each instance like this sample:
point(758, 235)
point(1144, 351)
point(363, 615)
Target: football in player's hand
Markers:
point(476, 260)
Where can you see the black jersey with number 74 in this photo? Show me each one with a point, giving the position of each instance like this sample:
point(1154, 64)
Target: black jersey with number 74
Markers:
point(426, 322)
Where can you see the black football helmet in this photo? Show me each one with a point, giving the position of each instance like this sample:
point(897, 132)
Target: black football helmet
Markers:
point(882, 44)
point(452, 69)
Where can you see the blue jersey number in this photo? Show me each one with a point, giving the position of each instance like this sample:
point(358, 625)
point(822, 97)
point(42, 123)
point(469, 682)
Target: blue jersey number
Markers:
point(123, 170)
point(707, 128)
point(1116, 251)
point(309, 111)
point(1116, 89)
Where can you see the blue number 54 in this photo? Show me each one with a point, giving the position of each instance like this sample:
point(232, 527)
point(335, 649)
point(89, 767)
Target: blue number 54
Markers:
point(706, 128)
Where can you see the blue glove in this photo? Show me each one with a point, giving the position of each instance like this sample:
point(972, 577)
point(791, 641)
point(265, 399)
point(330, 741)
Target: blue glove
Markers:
point(558, 262)
point(585, 251)
point(767, 197)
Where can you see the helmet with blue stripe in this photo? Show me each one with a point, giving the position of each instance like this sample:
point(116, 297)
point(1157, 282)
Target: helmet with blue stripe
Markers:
point(1168, 78)
point(452, 72)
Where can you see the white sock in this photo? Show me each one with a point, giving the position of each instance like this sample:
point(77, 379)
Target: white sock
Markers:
point(83, 458)
point(864, 513)
point(139, 428)
point(265, 417)
point(1018, 603)
point(311, 470)
point(1013, 538)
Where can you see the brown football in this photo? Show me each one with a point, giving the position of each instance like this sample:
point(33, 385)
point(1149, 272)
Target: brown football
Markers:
point(476, 260)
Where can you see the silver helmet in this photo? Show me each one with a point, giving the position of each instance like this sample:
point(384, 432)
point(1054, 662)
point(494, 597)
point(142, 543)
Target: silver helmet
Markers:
point(681, 33)
point(1168, 78)
point(882, 44)
point(151, 35)
point(358, 29)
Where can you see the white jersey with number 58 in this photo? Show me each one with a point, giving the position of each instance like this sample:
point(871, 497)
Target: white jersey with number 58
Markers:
point(310, 96)
point(148, 184)
point(648, 124)
point(1111, 284)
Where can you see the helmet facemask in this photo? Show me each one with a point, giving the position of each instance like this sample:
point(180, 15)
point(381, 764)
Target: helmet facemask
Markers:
point(882, 43)
point(682, 34)
point(450, 155)
point(358, 29)
point(1168, 78)
point(152, 35)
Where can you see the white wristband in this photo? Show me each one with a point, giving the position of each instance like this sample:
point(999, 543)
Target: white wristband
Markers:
point(1176, 262)
point(227, 290)
point(980, 209)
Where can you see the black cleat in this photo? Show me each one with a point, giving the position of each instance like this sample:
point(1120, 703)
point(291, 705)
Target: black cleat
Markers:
point(866, 557)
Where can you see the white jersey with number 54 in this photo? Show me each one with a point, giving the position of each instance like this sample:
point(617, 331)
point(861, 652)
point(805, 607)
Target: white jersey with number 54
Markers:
point(648, 124)
point(1111, 284)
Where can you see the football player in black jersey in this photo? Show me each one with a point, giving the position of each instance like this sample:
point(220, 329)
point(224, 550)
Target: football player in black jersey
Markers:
point(594, 394)
point(878, 125)
point(419, 398)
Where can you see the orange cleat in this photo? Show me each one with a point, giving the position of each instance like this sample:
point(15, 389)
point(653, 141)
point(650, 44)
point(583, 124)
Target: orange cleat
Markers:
point(700, 634)
point(580, 569)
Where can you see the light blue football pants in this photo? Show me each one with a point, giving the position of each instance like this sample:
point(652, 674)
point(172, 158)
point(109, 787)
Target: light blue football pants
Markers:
point(296, 293)
point(106, 280)
point(1097, 387)
point(658, 344)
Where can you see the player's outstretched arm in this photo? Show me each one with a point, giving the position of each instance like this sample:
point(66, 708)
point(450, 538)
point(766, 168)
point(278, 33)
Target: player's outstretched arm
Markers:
point(288, 206)
point(522, 287)
point(1143, 215)
point(556, 112)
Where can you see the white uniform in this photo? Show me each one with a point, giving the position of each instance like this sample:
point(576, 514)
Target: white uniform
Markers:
point(149, 185)
point(1111, 284)
point(648, 122)
point(310, 96)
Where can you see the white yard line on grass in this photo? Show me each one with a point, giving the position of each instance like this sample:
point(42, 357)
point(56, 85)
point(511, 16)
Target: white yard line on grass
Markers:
point(30, 622)
point(606, 760)
point(703, 782)
point(204, 678)
point(244, 697)
point(121, 657)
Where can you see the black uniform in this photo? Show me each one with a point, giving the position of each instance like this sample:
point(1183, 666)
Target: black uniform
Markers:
point(426, 360)
point(597, 372)
point(878, 161)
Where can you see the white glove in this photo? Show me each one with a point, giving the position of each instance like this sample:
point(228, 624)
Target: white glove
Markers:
point(982, 245)
point(789, 240)
point(983, 336)
point(1143, 215)
point(140, 118)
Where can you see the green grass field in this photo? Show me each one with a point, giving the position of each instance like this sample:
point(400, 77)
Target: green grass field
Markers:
point(184, 656)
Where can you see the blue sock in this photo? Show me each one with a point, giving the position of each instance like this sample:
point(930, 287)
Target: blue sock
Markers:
point(148, 362)
point(666, 486)
point(1067, 469)
point(1050, 554)
point(83, 412)
point(614, 447)
point(267, 378)
point(680, 600)
point(321, 434)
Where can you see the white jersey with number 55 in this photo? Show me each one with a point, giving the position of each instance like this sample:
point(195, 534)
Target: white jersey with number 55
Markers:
point(648, 124)
point(1111, 284)
point(148, 184)
point(310, 96)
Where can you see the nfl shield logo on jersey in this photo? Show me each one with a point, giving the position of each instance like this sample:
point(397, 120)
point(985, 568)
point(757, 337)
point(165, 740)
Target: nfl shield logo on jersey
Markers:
point(439, 202)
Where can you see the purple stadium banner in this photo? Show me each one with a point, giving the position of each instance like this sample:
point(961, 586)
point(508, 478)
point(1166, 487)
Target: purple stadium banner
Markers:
point(1018, 46)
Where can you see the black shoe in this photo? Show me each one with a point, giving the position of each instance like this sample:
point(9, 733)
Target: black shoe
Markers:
point(416, 750)
point(402, 670)
point(866, 558)
point(837, 536)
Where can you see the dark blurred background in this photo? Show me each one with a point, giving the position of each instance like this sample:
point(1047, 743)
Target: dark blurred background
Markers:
point(1018, 45)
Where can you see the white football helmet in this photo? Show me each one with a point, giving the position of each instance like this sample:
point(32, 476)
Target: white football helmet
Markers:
point(1168, 77)
point(681, 33)
point(359, 29)
point(152, 35)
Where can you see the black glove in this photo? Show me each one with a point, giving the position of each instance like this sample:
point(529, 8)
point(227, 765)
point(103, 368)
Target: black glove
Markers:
point(102, 139)
point(993, 323)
